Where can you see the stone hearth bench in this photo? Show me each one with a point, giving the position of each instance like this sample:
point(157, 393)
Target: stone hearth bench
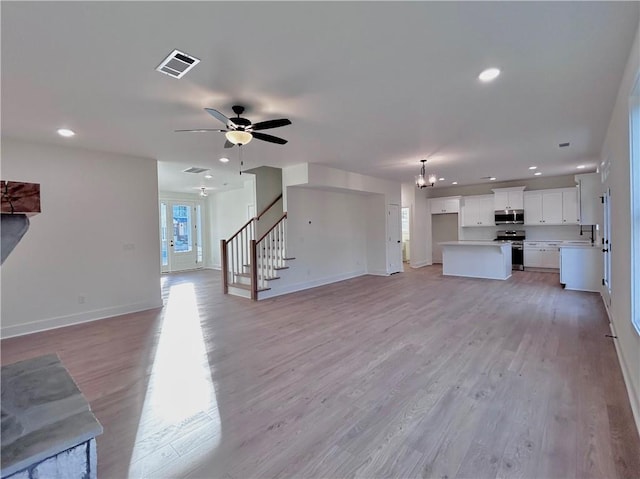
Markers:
point(48, 429)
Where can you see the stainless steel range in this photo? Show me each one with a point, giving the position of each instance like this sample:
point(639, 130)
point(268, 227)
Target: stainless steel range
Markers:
point(516, 238)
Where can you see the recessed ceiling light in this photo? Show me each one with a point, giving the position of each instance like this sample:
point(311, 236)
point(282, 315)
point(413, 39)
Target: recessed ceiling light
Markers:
point(489, 74)
point(66, 132)
point(224, 160)
point(208, 176)
point(440, 179)
point(533, 167)
point(537, 173)
point(581, 167)
point(493, 178)
point(454, 182)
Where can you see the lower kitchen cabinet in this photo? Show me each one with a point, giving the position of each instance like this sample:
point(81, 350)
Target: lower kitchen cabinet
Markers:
point(581, 268)
point(542, 255)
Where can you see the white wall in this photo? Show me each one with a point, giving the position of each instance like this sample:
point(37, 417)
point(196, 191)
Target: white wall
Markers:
point(616, 151)
point(328, 179)
point(376, 244)
point(419, 225)
point(94, 250)
point(227, 211)
point(327, 235)
point(268, 186)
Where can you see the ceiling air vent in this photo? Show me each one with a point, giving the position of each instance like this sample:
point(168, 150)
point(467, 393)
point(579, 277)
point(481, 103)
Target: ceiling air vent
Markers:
point(177, 64)
point(195, 169)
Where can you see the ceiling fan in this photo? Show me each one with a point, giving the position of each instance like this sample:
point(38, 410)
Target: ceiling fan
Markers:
point(241, 131)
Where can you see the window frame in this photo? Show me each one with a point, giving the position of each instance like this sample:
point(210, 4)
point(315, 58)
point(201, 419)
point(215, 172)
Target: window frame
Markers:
point(634, 196)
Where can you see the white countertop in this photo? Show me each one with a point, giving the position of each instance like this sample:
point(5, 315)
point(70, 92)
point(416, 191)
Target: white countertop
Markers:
point(474, 243)
point(579, 245)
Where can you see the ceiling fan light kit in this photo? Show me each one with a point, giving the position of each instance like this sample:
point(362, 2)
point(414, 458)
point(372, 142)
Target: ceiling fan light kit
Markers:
point(238, 137)
point(240, 131)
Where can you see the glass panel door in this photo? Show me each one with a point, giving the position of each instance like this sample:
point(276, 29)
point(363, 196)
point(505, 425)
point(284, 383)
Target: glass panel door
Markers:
point(181, 246)
point(164, 242)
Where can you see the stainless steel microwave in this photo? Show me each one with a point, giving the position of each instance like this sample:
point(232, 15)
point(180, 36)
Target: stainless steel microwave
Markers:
point(509, 217)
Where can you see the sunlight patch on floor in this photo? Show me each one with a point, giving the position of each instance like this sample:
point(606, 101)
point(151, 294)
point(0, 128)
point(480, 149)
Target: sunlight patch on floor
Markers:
point(180, 421)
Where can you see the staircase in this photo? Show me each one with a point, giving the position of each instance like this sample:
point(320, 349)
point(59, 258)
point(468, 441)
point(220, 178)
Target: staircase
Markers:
point(249, 264)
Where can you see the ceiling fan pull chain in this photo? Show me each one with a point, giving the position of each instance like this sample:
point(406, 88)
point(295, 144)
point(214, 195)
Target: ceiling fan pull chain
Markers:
point(240, 157)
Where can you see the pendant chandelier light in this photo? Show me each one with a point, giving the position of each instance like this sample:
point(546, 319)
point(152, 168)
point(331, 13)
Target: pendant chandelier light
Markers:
point(421, 180)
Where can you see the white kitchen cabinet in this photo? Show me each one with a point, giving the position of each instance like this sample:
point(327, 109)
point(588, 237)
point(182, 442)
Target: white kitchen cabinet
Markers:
point(540, 254)
point(589, 192)
point(508, 198)
point(581, 268)
point(450, 204)
point(478, 211)
point(570, 213)
point(545, 207)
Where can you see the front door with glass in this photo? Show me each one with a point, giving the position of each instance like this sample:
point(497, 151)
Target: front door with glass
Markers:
point(180, 235)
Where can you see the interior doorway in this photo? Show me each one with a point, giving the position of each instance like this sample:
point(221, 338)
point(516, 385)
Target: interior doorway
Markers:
point(181, 239)
point(406, 236)
point(444, 227)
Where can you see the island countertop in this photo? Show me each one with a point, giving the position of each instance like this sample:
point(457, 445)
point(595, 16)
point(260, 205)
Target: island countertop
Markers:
point(475, 243)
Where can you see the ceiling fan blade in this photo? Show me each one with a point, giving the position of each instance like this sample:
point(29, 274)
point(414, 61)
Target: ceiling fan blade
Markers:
point(269, 138)
point(199, 130)
point(220, 116)
point(265, 125)
point(228, 144)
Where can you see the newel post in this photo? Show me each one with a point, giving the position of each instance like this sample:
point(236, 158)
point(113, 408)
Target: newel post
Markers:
point(254, 269)
point(224, 264)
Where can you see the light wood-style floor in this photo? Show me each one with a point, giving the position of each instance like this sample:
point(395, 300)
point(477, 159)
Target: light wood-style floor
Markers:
point(413, 375)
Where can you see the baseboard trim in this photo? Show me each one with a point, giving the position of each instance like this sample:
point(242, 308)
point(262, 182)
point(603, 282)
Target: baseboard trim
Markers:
point(377, 272)
point(420, 264)
point(78, 318)
point(634, 400)
point(292, 288)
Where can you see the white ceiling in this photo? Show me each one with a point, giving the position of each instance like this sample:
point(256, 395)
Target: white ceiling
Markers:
point(370, 87)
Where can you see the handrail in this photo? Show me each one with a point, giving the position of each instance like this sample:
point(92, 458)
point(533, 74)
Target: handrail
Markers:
point(272, 228)
point(257, 217)
point(268, 207)
point(240, 230)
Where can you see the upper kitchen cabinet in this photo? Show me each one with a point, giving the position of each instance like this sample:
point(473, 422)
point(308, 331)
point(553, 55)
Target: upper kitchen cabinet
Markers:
point(508, 198)
point(570, 210)
point(449, 204)
point(551, 207)
point(478, 211)
point(589, 193)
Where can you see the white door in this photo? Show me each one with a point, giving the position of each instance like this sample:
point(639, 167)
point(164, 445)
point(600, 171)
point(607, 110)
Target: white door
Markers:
point(180, 235)
point(606, 243)
point(394, 243)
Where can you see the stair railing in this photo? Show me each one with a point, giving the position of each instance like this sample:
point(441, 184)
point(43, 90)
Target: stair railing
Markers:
point(236, 252)
point(270, 254)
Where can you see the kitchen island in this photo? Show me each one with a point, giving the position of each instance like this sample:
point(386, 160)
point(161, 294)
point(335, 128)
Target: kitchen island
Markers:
point(476, 259)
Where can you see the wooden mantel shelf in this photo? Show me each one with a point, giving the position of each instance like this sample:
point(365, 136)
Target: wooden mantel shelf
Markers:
point(20, 198)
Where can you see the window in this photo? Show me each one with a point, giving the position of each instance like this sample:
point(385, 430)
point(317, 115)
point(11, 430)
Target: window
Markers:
point(634, 148)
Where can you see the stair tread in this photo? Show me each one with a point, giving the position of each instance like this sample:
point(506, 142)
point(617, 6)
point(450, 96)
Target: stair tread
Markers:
point(246, 286)
point(248, 275)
